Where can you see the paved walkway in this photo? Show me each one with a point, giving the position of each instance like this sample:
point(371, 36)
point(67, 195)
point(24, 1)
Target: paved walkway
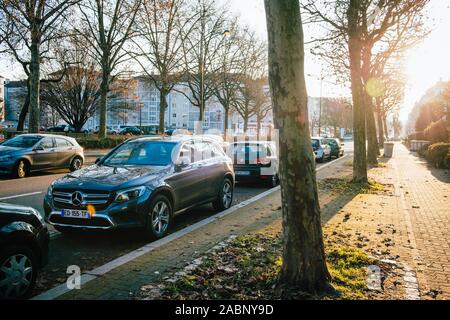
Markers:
point(409, 223)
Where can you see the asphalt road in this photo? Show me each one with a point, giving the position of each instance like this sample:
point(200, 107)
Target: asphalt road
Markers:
point(90, 249)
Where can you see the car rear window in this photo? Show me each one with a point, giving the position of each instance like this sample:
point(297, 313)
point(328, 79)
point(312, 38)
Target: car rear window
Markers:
point(250, 151)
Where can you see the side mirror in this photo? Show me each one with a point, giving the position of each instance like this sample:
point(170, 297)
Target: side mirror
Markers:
point(98, 160)
point(182, 162)
point(38, 148)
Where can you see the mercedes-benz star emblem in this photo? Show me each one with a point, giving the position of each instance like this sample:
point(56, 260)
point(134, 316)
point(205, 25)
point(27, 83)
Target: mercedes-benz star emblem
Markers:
point(77, 198)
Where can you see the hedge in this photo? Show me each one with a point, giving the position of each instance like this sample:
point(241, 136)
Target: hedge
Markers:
point(436, 132)
point(106, 143)
point(438, 154)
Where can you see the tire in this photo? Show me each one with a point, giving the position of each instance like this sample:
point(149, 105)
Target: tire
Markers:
point(76, 164)
point(21, 169)
point(273, 181)
point(224, 199)
point(159, 217)
point(322, 159)
point(23, 275)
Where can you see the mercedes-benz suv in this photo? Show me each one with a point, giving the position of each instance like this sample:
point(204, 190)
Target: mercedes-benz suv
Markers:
point(143, 182)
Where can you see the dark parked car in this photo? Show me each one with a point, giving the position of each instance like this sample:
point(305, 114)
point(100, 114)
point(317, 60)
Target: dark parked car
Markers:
point(255, 160)
point(36, 152)
point(65, 128)
point(143, 182)
point(23, 250)
point(337, 148)
point(131, 131)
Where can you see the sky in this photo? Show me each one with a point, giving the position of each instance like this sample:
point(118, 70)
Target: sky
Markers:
point(425, 64)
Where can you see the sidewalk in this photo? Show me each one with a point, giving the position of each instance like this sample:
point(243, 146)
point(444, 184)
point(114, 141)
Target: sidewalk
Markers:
point(409, 224)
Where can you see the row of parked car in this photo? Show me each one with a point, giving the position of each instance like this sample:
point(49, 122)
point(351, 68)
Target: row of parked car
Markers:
point(143, 183)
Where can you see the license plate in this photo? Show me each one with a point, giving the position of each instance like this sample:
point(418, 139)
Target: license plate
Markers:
point(79, 214)
point(242, 173)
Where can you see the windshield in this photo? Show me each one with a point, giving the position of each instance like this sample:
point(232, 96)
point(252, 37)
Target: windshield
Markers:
point(22, 141)
point(315, 143)
point(141, 153)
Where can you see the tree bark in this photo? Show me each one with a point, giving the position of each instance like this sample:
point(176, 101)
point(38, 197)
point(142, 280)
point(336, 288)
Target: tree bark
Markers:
point(245, 123)
point(372, 143)
point(104, 89)
point(225, 122)
point(162, 109)
point(359, 119)
point(304, 265)
point(385, 128)
point(24, 110)
point(33, 123)
point(380, 125)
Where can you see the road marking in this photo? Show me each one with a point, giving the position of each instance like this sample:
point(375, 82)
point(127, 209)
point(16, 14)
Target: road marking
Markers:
point(21, 195)
point(100, 271)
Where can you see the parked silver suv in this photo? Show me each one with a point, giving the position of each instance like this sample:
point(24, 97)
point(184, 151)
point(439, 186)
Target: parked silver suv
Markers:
point(36, 152)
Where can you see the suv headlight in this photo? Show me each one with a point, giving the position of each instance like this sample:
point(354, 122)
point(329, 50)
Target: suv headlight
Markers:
point(50, 191)
point(133, 193)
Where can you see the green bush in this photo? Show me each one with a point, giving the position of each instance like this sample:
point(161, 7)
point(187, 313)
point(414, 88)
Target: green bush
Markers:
point(419, 135)
point(438, 154)
point(106, 143)
point(436, 132)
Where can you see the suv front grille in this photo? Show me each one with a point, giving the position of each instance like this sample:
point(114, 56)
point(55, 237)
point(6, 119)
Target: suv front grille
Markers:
point(77, 199)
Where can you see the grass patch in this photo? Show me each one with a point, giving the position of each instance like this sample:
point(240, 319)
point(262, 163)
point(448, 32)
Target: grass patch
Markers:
point(248, 268)
point(343, 186)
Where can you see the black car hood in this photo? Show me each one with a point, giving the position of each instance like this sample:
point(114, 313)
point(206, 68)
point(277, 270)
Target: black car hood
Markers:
point(108, 176)
point(4, 150)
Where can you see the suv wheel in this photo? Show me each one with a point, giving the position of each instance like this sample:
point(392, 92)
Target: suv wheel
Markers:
point(159, 217)
point(225, 197)
point(18, 271)
point(21, 169)
point(76, 164)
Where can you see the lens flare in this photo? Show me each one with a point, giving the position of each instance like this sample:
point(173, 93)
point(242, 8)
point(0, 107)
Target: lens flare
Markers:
point(91, 210)
point(375, 87)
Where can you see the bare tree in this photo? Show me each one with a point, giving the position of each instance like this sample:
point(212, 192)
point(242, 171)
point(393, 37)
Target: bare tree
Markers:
point(108, 25)
point(29, 28)
point(200, 53)
point(304, 267)
point(163, 27)
point(76, 96)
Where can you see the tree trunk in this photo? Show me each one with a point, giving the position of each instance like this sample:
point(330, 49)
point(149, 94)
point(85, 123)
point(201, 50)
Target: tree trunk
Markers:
point(104, 88)
point(162, 109)
point(258, 126)
point(385, 128)
point(304, 266)
point(380, 125)
point(245, 124)
point(24, 110)
point(225, 122)
point(33, 123)
point(372, 144)
point(359, 119)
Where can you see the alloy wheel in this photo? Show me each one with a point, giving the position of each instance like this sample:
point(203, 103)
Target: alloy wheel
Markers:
point(160, 217)
point(21, 169)
point(16, 274)
point(227, 194)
